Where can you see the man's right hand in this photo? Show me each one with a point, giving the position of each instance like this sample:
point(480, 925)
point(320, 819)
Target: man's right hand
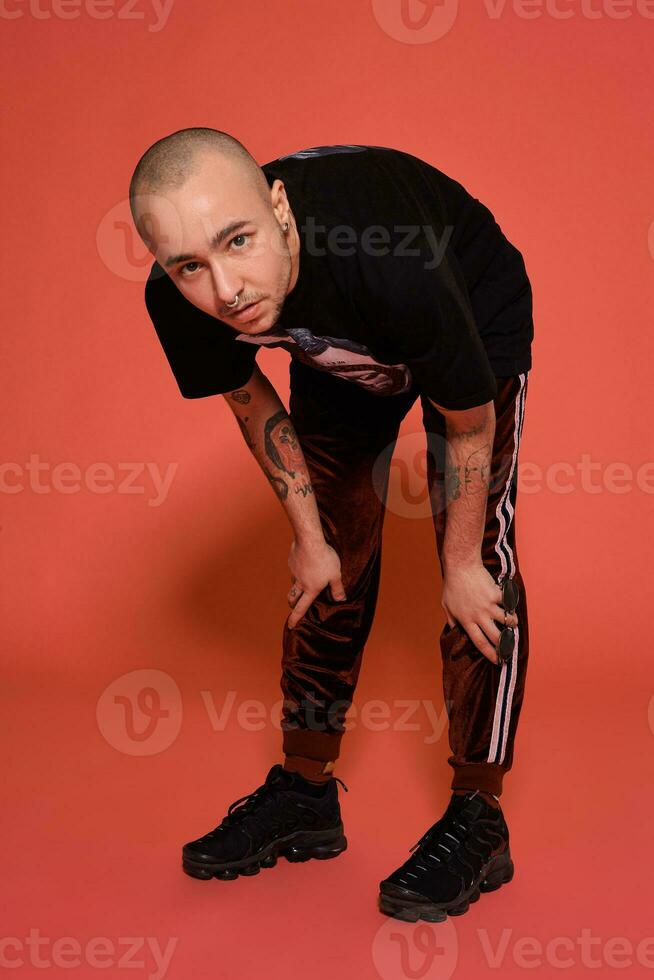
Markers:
point(271, 437)
point(313, 566)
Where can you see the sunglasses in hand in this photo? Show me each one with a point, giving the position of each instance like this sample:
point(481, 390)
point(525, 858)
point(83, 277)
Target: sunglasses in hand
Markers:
point(506, 643)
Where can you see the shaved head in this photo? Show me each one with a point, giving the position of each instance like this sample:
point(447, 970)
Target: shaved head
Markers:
point(172, 160)
point(228, 240)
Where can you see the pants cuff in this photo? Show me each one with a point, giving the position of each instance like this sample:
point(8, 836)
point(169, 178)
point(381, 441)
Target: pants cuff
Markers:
point(309, 768)
point(485, 776)
point(321, 746)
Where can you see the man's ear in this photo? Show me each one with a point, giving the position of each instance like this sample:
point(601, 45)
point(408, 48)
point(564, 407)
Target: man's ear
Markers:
point(278, 198)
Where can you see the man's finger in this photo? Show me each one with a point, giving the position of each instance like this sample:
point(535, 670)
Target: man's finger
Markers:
point(301, 607)
point(498, 615)
point(337, 588)
point(293, 595)
point(479, 639)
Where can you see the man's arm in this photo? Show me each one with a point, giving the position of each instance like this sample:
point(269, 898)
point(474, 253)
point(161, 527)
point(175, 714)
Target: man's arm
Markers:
point(471, 596)
point(469, 435)
point(271, 438)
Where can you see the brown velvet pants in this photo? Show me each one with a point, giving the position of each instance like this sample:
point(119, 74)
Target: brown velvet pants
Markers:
point(347, 434)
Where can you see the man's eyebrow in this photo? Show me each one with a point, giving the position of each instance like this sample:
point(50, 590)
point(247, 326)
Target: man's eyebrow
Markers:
point(216, 241)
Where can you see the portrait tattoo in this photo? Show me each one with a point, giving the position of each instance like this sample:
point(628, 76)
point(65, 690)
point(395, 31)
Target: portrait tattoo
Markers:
point(475, 475)
point(283, 448)
point(477, 470)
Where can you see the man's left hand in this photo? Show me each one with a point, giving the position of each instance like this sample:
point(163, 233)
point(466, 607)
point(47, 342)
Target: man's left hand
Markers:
point(472, 597)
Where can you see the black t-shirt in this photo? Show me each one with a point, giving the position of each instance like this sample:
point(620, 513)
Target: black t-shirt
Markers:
point(404, 277)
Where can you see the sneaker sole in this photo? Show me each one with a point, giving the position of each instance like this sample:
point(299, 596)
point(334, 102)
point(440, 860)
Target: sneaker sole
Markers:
point(300, 846)
point(401, 903)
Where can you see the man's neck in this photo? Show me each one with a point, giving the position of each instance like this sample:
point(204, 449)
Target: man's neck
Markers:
point(294, 250)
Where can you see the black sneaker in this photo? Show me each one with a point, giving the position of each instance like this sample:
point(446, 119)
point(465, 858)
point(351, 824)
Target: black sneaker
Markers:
point(465, 853)
point(285, 816)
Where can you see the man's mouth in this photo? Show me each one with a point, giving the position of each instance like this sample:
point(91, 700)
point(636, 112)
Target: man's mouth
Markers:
point(248, 312)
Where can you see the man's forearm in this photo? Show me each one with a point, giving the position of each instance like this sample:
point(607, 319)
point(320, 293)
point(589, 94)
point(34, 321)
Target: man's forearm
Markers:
point(271, 438)
point(467, 474)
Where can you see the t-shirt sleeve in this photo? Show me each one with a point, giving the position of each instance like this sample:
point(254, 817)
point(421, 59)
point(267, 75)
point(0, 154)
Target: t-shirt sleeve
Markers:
point(202, 351)
point(423, 311)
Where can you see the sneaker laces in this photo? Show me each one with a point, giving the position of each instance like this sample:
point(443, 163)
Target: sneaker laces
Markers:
point(261, 796)
point(454, 819)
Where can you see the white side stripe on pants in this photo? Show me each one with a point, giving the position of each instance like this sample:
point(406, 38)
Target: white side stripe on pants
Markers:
point(504, 513)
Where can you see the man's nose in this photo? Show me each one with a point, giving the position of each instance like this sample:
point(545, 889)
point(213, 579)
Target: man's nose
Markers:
point(226, 284)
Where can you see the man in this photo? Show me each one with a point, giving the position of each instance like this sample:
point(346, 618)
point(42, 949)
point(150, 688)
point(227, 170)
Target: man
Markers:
point(386, 281)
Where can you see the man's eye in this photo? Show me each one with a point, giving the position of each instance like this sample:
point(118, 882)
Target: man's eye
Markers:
point(236, 237)
point(187, 266)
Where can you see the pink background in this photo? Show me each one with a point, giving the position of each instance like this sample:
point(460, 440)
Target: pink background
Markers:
point(547, 120)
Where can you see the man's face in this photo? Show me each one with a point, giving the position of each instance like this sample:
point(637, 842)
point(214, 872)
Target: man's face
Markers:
point(215, 237)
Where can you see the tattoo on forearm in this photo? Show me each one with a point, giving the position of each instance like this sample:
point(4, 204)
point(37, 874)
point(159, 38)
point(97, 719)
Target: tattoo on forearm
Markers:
point(475, 474)
point(282, 444)
point(284, 449)
point(452, 482)
point(462, 434)
point(279, 486)
point(477, 470)
point(241, 396)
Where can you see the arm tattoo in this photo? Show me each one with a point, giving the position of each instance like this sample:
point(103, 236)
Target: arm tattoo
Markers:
point(466, 433)
point(452, 482)
point(241, 396)
point(477, 470)
point(284, 450)
point(279, 486)
point(281, 443)
point(475, 474)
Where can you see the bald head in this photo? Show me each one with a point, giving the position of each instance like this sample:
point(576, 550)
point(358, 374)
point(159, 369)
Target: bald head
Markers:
point(203, 206)
point(172, 160)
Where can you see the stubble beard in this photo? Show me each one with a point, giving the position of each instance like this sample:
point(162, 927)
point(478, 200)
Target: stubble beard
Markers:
point(278, 305)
